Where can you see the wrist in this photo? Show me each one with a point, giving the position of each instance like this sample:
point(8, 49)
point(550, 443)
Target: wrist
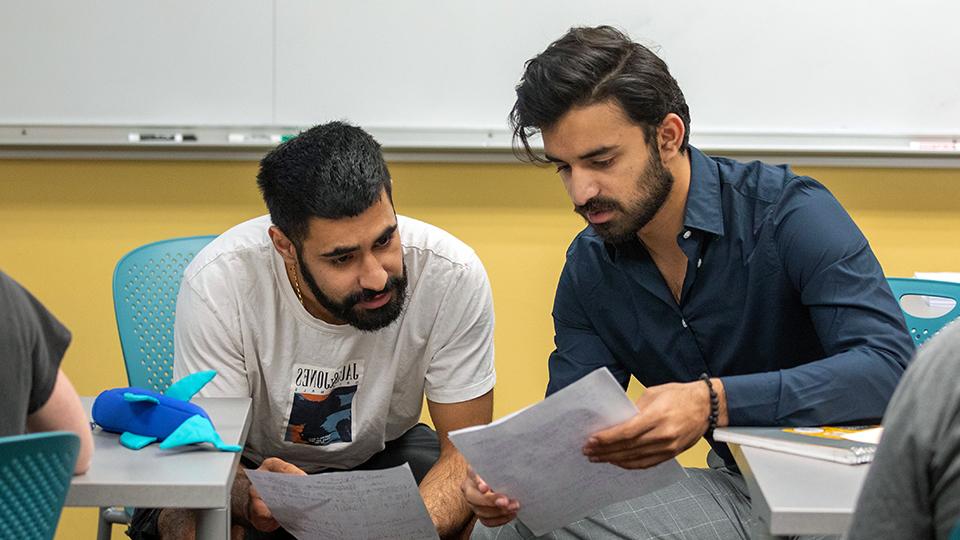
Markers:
point(722, 419)
point(713, 405)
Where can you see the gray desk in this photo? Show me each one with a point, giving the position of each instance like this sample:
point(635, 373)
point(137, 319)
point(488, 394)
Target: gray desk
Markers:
point(194, 477)
point(796, 495)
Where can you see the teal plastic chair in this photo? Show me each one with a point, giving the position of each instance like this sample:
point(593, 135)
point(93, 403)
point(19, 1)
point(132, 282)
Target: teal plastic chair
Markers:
point(921, 328)
point(145, 286)
point(35, 472)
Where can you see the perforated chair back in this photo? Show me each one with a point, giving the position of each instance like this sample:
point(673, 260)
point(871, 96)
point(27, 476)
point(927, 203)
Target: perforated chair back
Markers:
point(922, 328)
point(145, 286)
point(35, 473)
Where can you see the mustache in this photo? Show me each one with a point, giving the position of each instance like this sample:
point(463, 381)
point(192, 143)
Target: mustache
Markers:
point(597, 204)
point(365, 295)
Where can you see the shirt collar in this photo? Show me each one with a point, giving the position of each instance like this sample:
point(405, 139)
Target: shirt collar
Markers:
point(704, 209)
point(704, 205)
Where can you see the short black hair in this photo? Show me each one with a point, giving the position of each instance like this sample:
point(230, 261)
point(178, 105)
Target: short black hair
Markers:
point(330, 171)
point(590, 65)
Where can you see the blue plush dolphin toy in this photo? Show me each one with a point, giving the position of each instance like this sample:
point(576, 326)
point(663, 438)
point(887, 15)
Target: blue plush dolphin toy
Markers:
point(143, 416)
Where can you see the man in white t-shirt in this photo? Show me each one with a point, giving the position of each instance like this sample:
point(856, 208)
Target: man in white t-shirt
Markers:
point(337, 316)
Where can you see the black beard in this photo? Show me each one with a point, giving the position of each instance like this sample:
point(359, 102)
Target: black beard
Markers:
point(658, 182)
point(366, 320)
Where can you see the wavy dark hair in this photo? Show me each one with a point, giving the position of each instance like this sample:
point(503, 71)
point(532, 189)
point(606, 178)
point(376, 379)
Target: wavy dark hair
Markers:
point(330, 171)
point(588, 66)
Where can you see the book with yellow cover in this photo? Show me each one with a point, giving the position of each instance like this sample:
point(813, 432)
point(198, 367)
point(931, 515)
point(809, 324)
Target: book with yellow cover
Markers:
point(848, 444)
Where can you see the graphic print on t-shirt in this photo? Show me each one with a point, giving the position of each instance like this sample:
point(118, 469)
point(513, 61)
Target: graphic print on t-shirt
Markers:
point(322, 408)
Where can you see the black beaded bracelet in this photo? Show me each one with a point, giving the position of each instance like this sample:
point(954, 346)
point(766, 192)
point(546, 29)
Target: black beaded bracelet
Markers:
point(714, 406)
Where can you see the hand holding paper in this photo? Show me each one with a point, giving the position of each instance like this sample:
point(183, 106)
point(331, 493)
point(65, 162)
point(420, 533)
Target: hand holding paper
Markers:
point(672, 418)
point(494, 509)
point(258, 513)
point(535, 457)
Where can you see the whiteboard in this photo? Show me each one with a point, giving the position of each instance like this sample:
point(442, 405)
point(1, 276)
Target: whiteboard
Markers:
point(854, 73)
point(130, 62)
point(751, 66)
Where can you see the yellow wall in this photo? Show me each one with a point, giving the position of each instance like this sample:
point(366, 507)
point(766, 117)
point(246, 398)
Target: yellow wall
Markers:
point(64, 224)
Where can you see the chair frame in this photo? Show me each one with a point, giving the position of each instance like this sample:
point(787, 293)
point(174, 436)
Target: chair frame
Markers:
point(133, 356)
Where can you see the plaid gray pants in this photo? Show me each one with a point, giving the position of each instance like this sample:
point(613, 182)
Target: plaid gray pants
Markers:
point(710, 504)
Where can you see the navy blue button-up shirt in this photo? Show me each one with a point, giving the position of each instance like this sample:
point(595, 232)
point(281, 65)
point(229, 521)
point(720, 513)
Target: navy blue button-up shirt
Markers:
point(783, 300)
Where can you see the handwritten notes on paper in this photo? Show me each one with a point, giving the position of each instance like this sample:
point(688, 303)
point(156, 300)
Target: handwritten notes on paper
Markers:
point(347, 505)
point(535, 455)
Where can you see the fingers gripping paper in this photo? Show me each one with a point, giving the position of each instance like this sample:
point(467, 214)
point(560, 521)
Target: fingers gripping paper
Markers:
point(535, 455)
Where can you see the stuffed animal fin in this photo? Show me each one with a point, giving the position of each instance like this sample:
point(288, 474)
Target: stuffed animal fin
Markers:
point(197, 429)
point(134, 441)
point(131, 396)
point(185, 388)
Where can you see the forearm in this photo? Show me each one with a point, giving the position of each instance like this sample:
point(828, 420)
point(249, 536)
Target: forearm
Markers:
point(441, 493)
point(851, 386)
point(440, 488)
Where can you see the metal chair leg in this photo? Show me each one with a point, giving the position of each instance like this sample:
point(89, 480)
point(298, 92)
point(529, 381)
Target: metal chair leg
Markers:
point(104, 528)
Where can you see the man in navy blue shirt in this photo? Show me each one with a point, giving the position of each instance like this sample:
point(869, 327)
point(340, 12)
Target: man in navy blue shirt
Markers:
point(737, 293)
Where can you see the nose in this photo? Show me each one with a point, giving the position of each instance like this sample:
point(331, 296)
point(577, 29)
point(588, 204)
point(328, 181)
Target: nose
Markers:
point(581, 187)
point(373, 276)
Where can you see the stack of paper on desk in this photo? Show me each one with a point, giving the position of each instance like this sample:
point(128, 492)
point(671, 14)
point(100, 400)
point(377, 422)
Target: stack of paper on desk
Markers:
point(347, 505)
point(536, 455)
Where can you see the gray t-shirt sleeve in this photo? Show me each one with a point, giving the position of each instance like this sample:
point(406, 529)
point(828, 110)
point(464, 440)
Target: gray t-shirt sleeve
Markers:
point(32, 343)
point(913, 487)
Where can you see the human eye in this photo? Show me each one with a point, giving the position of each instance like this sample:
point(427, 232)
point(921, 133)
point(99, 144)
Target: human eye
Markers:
point(341, 260)
point(603, 163)
point(384, 240)
point(562, 167)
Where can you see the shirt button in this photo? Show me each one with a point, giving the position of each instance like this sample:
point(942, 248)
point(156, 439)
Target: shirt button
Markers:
point(699, 262)
point(683, 322)
point(686, 234)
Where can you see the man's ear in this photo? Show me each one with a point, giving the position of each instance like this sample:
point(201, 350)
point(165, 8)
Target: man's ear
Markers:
point(670, 134)
point(283, 245)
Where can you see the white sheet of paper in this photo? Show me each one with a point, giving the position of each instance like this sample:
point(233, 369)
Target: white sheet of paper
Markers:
point(536, 455)
point(347, 505)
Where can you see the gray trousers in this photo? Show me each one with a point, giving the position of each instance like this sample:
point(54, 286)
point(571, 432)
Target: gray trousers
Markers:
point(710, 504)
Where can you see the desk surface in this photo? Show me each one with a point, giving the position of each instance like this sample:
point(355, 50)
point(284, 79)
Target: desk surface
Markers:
point(798, 495)
point(192, 477)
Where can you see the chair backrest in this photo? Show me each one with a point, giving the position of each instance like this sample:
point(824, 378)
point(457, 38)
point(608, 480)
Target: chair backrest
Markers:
point(924, 328)
point(35, 472)
point(145, 286)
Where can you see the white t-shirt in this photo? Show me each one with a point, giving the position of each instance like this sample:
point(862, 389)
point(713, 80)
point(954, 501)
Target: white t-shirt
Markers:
point(329, 395)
